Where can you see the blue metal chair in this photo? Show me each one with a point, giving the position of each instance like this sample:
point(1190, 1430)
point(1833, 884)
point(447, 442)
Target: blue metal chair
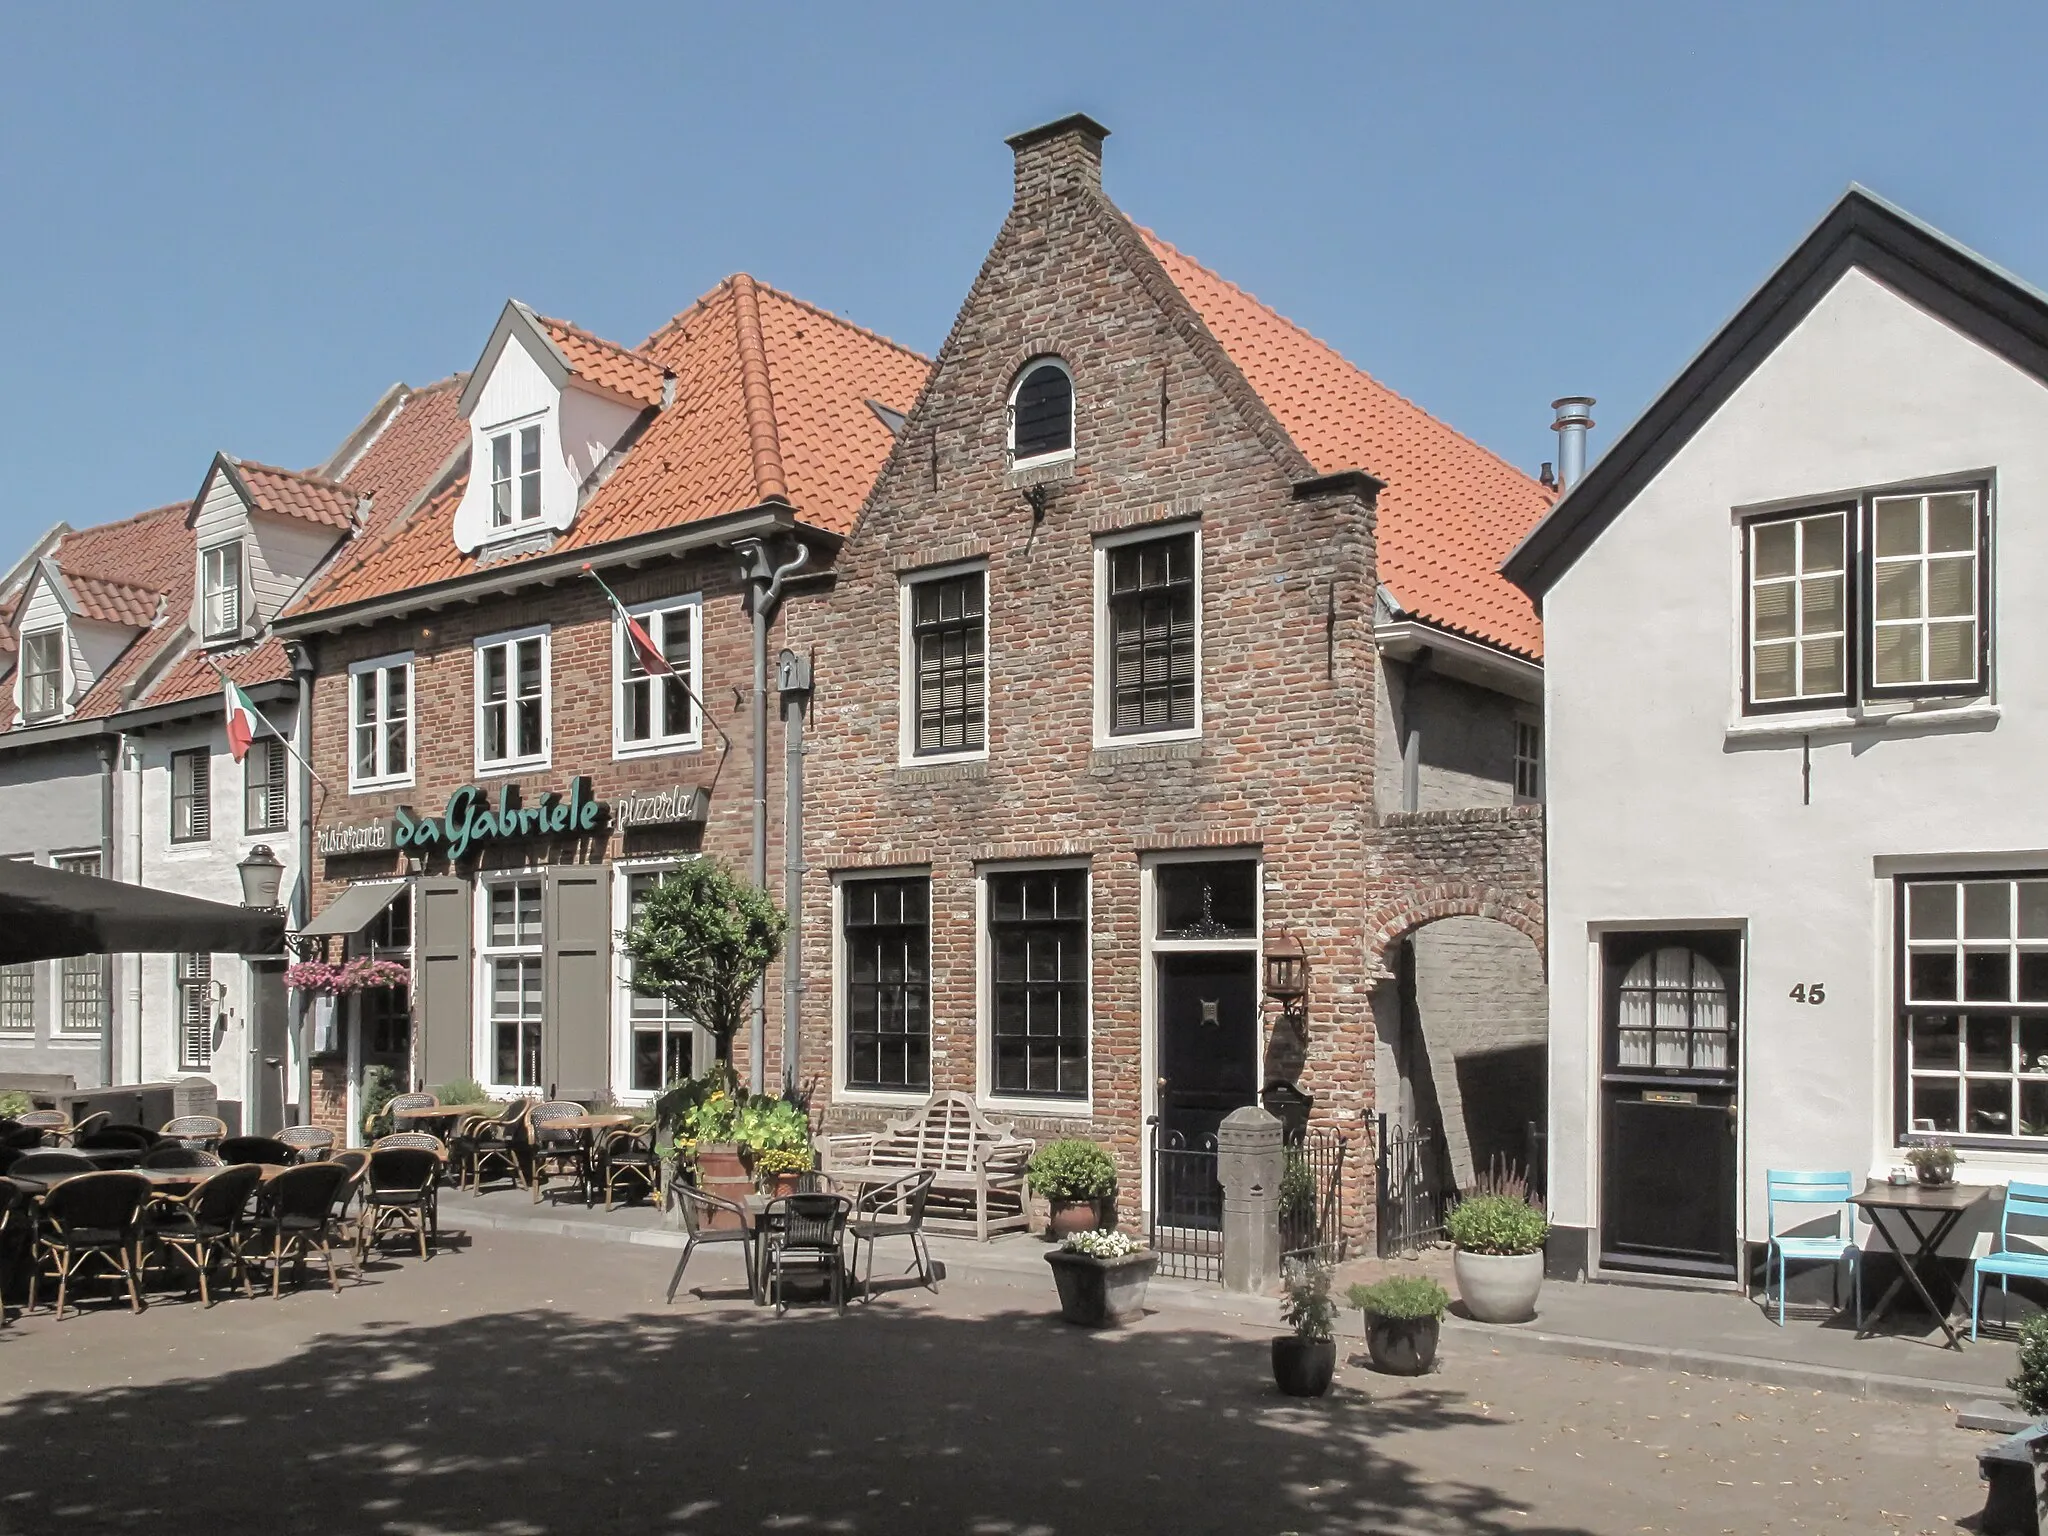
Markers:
point(1788, 1188)
point(2005, 1261)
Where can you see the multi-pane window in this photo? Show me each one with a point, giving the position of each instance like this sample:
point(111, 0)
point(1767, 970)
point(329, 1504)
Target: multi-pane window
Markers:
point(662, 1046)
point(191, 796)
point(515, 476)
point(512, 973)
point(1528, 761)
point(380, 715)
point(81, 979)
point(195, 1012)
point(220, 576)
point(1973, 1041)
point(17, 1000)
point(948, 649)
point(885, 928)
point(1042, 412)
point(1798, 608)
point(42, 674)
point(263, 788)
point(511, 700)
point(1674, 1012)
point(1151, 623)
point(1038, 983)
point(1923, 579)
point(657, 711)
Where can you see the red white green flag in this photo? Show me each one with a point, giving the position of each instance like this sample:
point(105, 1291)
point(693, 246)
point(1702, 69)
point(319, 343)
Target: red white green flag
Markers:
point(241, 718)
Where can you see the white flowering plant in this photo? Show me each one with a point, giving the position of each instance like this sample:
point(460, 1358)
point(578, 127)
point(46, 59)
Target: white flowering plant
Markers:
point(1102, 1245)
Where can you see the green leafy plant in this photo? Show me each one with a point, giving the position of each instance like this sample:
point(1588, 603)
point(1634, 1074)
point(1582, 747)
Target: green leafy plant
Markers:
point(1074, 1169)
point(770, 1161)
point(1933, 1158)
point(766, 1124)
point(1307, 1306)
point(380, 1087)
point(702, 941)
point(1400, 1298)
point(462, 1090)
point(1297, 1186)
point(2030, 1383)
point(14, 1102)
point(1497, 1224)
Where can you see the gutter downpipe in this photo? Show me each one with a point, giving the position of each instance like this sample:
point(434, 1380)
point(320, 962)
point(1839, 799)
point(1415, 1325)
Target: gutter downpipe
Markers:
point(109, 750)
point(131, 815)
point(765, 587)
point(793, 679)
point(302, 887)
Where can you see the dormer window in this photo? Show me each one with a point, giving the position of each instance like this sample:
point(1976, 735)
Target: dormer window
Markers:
point(1042, 412)
point(220, 582)
point(515, 476)
point(42, 674)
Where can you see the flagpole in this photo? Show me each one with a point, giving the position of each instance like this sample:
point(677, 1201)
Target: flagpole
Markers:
point(679, 680)
point(272, 728)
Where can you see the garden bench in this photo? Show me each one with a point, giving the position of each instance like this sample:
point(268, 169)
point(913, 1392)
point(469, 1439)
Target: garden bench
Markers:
point(970, 1158)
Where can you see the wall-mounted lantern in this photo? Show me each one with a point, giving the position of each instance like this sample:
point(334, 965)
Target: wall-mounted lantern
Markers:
point(1287, 973)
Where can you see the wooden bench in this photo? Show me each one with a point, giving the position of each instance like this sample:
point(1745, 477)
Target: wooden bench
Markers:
point(975, 1163)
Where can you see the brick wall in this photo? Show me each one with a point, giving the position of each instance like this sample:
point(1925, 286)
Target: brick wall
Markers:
point(1479, 862)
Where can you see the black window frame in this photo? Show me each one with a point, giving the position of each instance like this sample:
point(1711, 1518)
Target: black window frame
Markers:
point(1031, 409)
point(972, 669)
point(1851, 608)
point(270, 790)
point(900, 997)
point(1071, 982)
point(1528, 762)
point(1866, 647)
point(196, 798)
point(1115, 603)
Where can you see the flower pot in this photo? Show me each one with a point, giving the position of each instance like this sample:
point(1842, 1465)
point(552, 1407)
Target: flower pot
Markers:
point(1498, 1287)
point(1303, 1367)
point(723, 1172)
point(1065, 1216)
point(1101, 1293)
point(781, 1183)
point(1936, 1177)
point(1401, 1346)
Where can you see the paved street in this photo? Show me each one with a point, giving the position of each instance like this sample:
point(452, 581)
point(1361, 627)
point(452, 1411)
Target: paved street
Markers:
point(535, 1385)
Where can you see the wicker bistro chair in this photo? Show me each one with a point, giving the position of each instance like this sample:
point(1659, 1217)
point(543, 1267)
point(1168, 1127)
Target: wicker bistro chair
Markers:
point(49, 1160)
point(208, 1224)
point(311, 1142)
point(627, 1161)
point(701, 1212)
point(15, 1134)
point(94, 1217)
point(895, 1209)
point(95, 1121)
point(399, 1190)
point(356, 1160)
point(172, 1155)
point(488, 1144)
point(557, 1152)
point(206, 1132)
point(400, 1101)
point(257, 1149)
point(807, 1232)
point(17, 1217)
point(52, 1124)
point(114, 1138)
point(296, 1212)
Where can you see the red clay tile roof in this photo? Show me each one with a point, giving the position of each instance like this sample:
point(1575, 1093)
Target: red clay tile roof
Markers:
point(409, 450)
point(289, 493)
point(109, 600)
point(152, 551)
point(192, 675)
point(605, 363)
point(769, 404)
point(1450, 512)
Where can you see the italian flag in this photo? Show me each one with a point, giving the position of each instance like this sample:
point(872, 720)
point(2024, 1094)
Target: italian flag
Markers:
point(241, 718)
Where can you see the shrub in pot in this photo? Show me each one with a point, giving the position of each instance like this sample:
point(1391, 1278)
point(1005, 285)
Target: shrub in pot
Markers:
point(1498, 1256)
point(1101, 1278)
point(1306, 1359)
point(1402, 1315)
point(1934, 1162)
point(774, 1135)
point(778, 1169)
point(1076, 1177)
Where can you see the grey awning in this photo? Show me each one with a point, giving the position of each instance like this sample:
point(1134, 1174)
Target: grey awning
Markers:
point(49, 913)
point(353, 910)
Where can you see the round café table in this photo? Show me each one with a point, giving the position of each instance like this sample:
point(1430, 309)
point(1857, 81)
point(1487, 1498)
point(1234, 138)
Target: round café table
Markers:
point(586, 1128)
point(36, 1184)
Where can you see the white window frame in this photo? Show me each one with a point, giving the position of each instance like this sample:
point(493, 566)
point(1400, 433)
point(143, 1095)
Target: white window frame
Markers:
point(513, 433)
point(485, 1036)
point(492, 767)
point(1057, 455)
point(58, 675)
point(192, 974)
point(882, 1096)
point(1105, 659)
point(211, 592)
point(655, 745)
point(907, 755)
point(623, 1023)
point(38, 978)
point(984, 996)
point(60, 1028)
point(377, 666)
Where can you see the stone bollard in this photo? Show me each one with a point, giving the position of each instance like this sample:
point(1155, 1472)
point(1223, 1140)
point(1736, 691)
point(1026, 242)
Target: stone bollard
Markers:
point(194, 1096)
point(1249, 1161)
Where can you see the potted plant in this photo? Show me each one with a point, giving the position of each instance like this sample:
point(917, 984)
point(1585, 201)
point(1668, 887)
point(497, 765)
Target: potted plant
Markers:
point(1304, 1360)
point(774, 1135)
point(1934, 1162)
point(1402, 1315)
point(2007, 1468)
point(1076, 1176)
point(1101, 1278)
point(702, 1117)
point(1497, 1256)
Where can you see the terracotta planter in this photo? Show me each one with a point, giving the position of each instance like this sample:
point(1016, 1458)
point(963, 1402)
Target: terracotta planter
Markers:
point(723, 1172)
point(1498, 1287)
point(1303, 1367)
point(1066, 1217)
point(777, 1185)
point(1101, 1293)
point(1401, 1346)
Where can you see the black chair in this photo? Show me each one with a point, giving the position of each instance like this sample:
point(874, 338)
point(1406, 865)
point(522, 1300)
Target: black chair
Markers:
point(627, 1161)
point(487, 1144)
point(711, 1220)
point(96, 1216)
point(208, 1223)
point(895, 1209)
point(21, 1136)
point(807, 1233)
point(399, 1190)
point(9, 1156)
point(96, 1121)
point(174, 1155)
point(256, 1149)
point(52, 1160)
point(17, 1221)
point(296, 1212)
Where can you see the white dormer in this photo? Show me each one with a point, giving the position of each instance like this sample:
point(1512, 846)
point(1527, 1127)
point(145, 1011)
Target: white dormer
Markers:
point(547, 404)
point(71, 629)
point(258, 533)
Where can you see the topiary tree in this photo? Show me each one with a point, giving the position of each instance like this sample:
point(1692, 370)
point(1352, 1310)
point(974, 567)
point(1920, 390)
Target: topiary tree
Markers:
point(702, 941)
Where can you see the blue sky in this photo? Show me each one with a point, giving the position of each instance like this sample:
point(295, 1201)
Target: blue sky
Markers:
point(232, 227)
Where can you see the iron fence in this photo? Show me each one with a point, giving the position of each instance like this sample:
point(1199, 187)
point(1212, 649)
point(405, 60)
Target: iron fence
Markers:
point(1187, 1206)
point(1311, 1192)
point(1413, 1185)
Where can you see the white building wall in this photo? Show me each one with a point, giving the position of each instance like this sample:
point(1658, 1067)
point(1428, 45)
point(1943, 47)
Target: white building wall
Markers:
point(1667, 808)
point(278, 557)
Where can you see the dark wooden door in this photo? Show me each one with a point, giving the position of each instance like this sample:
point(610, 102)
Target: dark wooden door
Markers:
point(1208, 1066)
point(270, 1029)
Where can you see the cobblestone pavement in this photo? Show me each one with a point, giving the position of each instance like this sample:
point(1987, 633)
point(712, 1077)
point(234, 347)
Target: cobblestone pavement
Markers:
point(521, 1384)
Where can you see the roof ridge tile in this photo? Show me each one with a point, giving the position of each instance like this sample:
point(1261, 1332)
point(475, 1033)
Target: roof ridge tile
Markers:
point(757, 391)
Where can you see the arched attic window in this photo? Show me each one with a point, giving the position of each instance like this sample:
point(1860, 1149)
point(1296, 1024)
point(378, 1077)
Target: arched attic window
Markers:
point(1042, 411)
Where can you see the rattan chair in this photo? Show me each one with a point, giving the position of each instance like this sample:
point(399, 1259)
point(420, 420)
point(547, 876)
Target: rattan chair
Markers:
point(174, 1156)
point(295, 1211)
point(51, 1124)
point(311, 1142)
point(96, 1216)
point(46, 1160)
point(257, 1149)
point(895, 1209)
point(626, 1160)
point(701, 1212)
point(557, 1152)
point(357, 1161)
point(91, 1123)
point(113, 1138)
point(17, 1218)
point(486, 1144)
point(807, 1233)
point(399, 1191)
point(208, 1223)
point(206, 1132)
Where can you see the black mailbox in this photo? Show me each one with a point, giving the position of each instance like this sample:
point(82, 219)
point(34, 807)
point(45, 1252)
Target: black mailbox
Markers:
point(1290, 1106)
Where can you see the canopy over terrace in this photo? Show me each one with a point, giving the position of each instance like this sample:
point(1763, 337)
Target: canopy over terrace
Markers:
point(48, 914)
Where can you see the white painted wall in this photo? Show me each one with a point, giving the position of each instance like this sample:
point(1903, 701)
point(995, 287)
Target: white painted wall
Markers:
point(94, 648)
point(1663, 812)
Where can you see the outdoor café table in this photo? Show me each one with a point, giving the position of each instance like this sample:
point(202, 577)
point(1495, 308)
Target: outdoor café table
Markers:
point(586, 1128)
point(449, 1112)
point(1913, 1220)
point(36, 1184)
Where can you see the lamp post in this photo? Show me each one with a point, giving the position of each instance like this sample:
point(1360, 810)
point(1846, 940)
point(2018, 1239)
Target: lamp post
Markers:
point(262, 878)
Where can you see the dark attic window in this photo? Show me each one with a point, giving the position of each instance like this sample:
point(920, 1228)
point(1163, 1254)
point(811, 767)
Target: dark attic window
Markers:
point(1042, 411)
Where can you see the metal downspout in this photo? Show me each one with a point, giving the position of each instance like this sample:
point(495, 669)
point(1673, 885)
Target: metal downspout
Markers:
point(793, 677)
point(109, 748)
point(302, 887)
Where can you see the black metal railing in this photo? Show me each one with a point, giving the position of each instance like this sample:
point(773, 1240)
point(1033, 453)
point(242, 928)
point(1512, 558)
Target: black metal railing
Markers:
point(1187, 1206)
point(1311, 1196)
point(1413, 1187)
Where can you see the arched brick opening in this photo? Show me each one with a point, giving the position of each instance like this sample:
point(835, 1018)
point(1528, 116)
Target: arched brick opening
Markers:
point(1393, 921)
point(1427, 865)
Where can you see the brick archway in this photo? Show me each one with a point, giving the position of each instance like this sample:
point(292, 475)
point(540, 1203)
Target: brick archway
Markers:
point(1473, 863)
point(1388, 924)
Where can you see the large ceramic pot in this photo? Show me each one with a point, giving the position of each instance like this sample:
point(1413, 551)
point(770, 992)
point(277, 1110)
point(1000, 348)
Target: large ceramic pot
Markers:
point(1303, 1367)
point(1066, 1217)
point(1498, 1287)
point(1101, 1293)
point(1401, 1346)
point(722, 1171)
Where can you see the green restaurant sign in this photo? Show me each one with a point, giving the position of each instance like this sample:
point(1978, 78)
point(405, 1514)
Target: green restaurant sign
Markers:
point(468, 820)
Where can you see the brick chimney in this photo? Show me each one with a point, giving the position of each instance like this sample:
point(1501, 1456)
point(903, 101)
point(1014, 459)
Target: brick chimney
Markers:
point(1058, 156)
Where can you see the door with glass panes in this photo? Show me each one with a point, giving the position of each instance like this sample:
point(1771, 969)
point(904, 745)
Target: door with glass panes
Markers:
point(661, 1043)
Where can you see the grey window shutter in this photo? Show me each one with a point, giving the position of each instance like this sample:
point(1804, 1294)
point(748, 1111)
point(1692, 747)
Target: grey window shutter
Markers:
point(577, 1050)
point(441, 993)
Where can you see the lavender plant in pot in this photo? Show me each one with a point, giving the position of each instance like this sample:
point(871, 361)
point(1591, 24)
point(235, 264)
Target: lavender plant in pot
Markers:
point(1934, 1162)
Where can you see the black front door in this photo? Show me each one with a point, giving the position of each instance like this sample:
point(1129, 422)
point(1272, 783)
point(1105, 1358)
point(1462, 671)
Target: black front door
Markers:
point(1671, 1012)
point(1208, 1066)
point(270, 1034)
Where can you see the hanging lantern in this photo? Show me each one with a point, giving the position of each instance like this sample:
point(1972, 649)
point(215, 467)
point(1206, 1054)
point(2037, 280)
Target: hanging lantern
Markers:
point(1286, 971)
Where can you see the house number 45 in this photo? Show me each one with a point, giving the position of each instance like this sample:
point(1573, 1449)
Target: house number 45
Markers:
point(1814, 992)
